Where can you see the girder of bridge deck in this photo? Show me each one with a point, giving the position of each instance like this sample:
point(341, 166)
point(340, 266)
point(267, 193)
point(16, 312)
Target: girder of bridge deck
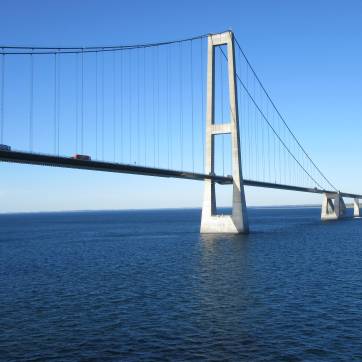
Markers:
point(67, 162)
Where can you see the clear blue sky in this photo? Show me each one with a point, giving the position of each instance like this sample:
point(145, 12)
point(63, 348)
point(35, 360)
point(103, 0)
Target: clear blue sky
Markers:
point(308, 55)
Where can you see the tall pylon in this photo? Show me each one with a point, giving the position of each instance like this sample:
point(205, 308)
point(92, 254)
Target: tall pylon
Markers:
point(211, 222)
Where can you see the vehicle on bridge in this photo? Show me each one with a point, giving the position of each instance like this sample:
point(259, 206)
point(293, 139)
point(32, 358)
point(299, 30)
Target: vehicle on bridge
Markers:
point(5, 148)
point(81, 157)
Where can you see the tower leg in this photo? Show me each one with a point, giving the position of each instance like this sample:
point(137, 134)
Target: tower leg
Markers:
point(237, 222)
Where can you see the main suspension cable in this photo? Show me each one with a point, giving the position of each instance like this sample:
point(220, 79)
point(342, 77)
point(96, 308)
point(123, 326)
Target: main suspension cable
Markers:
point(23, 50)
point(272, 128)
point(281, 117)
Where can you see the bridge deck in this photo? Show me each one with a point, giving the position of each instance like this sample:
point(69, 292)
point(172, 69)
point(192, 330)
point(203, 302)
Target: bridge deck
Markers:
point(67, 162)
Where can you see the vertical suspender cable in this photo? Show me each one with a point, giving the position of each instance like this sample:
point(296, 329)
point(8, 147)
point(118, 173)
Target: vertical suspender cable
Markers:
point(192, 106)
point(290, 166)
point(114, 106)
point(202, 104)
point(55, 101)
point(294, 171)
point(76, 101)
point(82, 105)
point(170, 118)
point(256, 136)
point(102, 80)
point(263, 125)
point(96, 75)
point(158, 106)
point(262, 137)
point(138, 108)
point(130, 105)
point(153, 109)
point(291, 163)
point(181, 107)
point(269, 154)
point(58, 103)
point(242, 125)
point(285, 160)
point(248, 120)
point(274, 151)
point(279, 156)
point(144, 106)
point(168, 106)
point(31, 102)
point(122, 106)
point(2, 119)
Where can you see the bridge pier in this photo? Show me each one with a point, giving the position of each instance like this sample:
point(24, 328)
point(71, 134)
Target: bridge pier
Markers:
point(333, 206)
point(356, 208)
point(211, 222)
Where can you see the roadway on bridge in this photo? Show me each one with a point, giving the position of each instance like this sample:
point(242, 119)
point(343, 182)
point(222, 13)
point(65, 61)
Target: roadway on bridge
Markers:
point(68, 162)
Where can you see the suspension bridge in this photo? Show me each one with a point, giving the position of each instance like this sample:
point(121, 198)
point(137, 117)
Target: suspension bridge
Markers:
point(192, 108)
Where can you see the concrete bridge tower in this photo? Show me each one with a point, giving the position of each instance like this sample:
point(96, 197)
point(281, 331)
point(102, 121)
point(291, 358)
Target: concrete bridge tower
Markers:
point(211, 222)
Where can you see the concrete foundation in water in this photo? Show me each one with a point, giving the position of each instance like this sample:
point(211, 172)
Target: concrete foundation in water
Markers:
point(334, 208)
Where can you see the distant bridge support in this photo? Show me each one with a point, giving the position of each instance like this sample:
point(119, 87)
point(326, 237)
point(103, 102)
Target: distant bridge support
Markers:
point(211, 222)
point(333, 206)
point(356, 208)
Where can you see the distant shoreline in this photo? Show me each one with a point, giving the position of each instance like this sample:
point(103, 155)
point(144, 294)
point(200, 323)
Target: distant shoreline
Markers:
point(155, 209)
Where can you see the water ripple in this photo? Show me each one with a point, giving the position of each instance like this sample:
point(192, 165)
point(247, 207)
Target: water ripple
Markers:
point(144, 285)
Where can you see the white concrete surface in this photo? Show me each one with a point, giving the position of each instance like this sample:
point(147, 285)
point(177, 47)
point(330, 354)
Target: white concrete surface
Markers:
point(210, 221)
point(356, 208)
point(333, 207)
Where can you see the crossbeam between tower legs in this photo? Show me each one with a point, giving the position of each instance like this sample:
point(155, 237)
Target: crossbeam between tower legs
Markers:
point(210, 221)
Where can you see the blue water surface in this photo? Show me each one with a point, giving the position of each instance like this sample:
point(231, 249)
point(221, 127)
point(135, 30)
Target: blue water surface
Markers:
point(145, 285)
